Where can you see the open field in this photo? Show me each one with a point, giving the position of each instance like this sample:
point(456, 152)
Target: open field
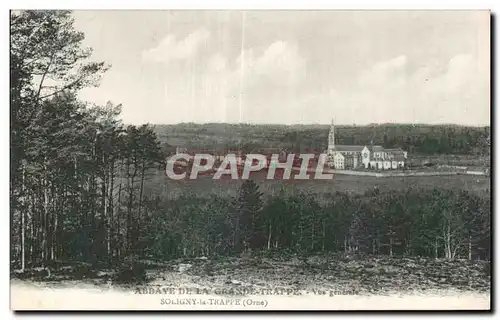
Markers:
point(469, 161)
point(331, 279)
point(161, 184)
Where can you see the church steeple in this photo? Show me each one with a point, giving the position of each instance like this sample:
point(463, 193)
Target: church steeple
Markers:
point(331, 137)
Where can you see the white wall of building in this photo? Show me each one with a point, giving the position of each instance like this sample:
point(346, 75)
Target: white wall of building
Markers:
point(387, 165)
point(394, 164)
point(338, 161)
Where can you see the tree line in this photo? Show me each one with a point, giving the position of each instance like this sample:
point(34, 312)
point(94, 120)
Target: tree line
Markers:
point(422, 139)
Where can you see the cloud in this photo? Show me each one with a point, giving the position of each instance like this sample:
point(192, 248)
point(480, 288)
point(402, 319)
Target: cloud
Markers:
point(170, 48)
point(388, 92)
point(257, 76)
point(460, 71)
point(216, 64)
point(270, 82)
point(279, 64)
point(384, 73)
point(456, 94)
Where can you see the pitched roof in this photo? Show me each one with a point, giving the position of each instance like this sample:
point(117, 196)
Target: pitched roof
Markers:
point(347, 148)
point(398, 157)
point(376, 148)
point(396, 154)
point(394, 150)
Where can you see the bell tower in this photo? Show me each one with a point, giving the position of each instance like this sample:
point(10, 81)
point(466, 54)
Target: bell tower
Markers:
point(331, 137)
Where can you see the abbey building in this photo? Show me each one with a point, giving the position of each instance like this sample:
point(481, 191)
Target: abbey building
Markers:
point(345, 157)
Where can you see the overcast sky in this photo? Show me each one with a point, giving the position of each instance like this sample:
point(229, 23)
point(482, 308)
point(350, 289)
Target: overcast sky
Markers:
point(292, 66)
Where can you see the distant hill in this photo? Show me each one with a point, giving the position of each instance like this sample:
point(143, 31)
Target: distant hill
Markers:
point(425, 139)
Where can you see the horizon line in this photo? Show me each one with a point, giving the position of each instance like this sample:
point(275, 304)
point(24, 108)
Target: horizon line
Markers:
point(317, 124)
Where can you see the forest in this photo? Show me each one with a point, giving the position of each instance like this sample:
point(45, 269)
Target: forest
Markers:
point(80, 184)
point(414, 222)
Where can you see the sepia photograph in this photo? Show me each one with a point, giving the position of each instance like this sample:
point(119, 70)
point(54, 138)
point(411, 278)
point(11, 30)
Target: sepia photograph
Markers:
point(250, 160)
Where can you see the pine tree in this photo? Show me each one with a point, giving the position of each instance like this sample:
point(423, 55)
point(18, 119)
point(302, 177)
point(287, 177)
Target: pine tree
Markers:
point(247, 234)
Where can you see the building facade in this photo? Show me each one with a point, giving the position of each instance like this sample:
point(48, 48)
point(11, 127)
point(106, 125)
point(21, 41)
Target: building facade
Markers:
point(349, 157)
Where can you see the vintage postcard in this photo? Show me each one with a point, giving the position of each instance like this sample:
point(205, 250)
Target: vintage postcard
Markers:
point(250, 160)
